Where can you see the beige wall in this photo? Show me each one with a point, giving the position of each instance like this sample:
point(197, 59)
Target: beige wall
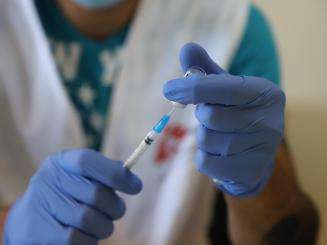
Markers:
point(301, 29)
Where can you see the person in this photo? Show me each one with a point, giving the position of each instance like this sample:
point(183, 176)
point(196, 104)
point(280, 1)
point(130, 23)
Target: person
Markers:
point(79, 74)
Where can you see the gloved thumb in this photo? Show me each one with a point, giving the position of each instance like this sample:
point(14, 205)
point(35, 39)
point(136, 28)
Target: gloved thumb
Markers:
point(193, 54)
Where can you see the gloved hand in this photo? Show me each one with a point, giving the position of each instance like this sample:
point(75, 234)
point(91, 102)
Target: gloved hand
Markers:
point(71, 200)
point(241, 122)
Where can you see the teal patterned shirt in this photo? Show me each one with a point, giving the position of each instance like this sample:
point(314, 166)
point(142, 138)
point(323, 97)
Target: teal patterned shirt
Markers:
point(88, 68)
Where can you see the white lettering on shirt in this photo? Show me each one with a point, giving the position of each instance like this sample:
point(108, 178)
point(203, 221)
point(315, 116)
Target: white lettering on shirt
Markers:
point(67, 57)
point(111, 66)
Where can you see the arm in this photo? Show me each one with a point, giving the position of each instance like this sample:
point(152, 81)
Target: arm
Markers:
point(3, 214)
point(281, 214)
point(241, 127)
point(71, 199)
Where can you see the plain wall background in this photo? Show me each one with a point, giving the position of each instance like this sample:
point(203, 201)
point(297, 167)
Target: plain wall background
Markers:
point(301, 30)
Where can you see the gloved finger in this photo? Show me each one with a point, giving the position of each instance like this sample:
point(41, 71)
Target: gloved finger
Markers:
point(226, 144)
point(93, 194)
point(76, 237)
point(193, 55)
point(245, 189)
point(91, 164)
point(77, 215)
point(223, 89)
point(246, 167)
point(231, 119)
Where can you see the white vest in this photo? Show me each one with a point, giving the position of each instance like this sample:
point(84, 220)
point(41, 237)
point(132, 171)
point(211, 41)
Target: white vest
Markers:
point(38, 119)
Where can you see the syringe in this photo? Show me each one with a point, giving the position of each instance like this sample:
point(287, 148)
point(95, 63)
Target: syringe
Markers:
point(160, 126)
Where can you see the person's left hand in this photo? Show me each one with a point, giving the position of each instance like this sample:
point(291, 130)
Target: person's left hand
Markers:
point(241, 122)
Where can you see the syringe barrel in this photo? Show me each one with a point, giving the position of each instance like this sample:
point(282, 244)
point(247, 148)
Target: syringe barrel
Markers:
point(140, 149)
point(136, 155)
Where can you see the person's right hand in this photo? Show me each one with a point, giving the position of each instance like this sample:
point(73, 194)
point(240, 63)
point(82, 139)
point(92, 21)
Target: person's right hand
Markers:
point(71, 200)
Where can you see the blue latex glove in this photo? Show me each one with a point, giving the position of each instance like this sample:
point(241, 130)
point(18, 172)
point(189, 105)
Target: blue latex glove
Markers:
point(71, 200)
point(241, 122)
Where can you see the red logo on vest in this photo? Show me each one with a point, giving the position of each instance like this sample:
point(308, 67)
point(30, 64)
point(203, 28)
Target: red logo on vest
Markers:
point(169, 142)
